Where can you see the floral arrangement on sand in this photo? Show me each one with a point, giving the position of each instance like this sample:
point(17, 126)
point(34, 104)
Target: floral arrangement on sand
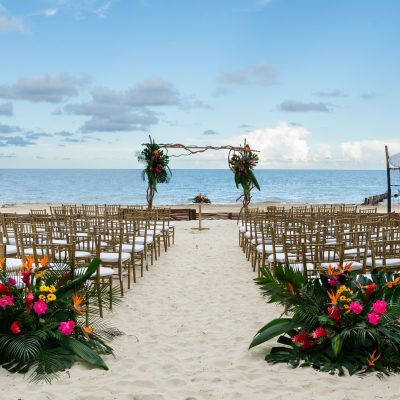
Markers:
point(48, 319)
point(242, 163)
point(339, 321)
point(201, 199)
point(156, 170)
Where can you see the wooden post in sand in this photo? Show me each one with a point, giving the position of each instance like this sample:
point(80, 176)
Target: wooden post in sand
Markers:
point(200, 228)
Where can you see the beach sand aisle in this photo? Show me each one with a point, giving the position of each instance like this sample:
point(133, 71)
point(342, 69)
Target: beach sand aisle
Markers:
point(188, 324)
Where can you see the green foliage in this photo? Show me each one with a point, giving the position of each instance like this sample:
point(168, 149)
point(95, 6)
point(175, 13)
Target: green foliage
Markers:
point(201, 199)
point(242, 164)
point(156, 164)
point(337, 322)
point(45, 341)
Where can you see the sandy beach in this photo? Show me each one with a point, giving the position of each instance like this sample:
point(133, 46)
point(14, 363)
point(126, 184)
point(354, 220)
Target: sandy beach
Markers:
point(188, 324)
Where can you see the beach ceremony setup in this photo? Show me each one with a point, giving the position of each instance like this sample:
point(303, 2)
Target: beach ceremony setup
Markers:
point(199, 200)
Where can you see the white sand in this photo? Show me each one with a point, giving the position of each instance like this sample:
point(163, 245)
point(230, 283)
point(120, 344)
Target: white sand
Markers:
point(188, 324)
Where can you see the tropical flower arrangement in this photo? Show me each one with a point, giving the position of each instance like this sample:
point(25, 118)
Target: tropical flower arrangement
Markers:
point(242, 164)
point(201, 199)
point(48, 319)
point(337, 322)
point(156, 170)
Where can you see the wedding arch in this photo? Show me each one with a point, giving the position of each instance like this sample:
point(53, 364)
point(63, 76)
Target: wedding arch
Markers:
point(241, 161)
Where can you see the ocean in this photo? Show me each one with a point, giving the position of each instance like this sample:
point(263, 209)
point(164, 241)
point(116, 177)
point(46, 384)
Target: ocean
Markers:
point(127, 187)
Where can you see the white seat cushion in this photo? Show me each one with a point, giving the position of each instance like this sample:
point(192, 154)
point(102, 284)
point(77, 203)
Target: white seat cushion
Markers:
point(300, 266)
point(351, 252)
point(104, 272)
point(280, 258)
point(355, 266)
point(11, 249)
point(268, 249)
point(242, 229)
point(114, 257)
point(140, 240)
point(390, 262)
point(82, 254)
point(127, 248)
point(13, 264)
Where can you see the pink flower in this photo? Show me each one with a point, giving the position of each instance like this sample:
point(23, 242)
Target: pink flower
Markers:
point(66, 328)
point(356, 307)
point(40, 307)
point(319, 332)
point(29, 299)
point(333, 281)
point(6, 301)
point(374, 319)
point(11, 282)
point(380, 307)
point(15, 328)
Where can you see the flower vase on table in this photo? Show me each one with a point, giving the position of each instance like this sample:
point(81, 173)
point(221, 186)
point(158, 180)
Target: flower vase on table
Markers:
point(201, 199)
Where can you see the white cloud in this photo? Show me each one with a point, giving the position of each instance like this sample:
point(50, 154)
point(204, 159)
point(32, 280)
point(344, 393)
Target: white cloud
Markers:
point(11, 24)
point(371, 151)
point(280, 145)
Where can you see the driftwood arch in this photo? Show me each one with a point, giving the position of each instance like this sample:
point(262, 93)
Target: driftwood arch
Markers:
point(234, 152)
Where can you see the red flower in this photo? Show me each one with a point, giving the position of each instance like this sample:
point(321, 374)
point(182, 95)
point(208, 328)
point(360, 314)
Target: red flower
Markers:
point(334, 313)
point(369, 289)
point(26, 277)
point(300, 338)
point(4, 290)
point(319, 333)
point(308, 344)
point(15, 328)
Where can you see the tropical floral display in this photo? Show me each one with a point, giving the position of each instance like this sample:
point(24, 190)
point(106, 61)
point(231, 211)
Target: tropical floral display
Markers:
point(201, 199)
point(156, 170)
point(242, 164)
point(49, 319)
point(339, 321)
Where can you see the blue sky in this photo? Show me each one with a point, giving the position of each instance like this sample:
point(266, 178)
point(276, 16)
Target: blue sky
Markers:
point(311, 83)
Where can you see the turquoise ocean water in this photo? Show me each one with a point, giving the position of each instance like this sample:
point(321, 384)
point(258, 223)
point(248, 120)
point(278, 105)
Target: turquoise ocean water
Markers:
point(127, 187)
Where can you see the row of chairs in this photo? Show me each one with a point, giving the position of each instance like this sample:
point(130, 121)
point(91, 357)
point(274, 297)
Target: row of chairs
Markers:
point(312, 241)
point(122, 243)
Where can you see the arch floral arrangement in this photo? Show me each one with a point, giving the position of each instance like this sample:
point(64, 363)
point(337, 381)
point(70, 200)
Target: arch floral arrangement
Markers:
point(156, 170)
point(339, 321)
point(201, 199)
point(49, 319)
point(242, 163)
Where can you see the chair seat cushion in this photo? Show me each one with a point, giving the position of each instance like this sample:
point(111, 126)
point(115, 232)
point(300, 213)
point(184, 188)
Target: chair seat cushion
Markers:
point(268, 249)
point(114, 257)
point(355, 266)
point(104, 272)
point(390, 262)
point(280, 258)
point(11, 249)
point(140, 239)
point(13, 264)
point(127, 248)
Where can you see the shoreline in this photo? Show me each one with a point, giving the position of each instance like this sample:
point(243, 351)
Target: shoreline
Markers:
point(25, 208)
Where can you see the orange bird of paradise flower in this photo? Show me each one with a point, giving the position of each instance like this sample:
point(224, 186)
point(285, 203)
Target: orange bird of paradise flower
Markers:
point(394, 283)
point(88, 329)
point(44, 261)
point(77, 301)
point(339, 270)
point(291, 288)
point(29, 263)
point(371, 361)
point(333, 297)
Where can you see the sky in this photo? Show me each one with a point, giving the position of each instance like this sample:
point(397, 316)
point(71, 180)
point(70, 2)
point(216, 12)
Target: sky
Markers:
point(310, 83)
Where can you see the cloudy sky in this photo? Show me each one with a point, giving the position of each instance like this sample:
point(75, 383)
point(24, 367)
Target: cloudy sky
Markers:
point(310, 83)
